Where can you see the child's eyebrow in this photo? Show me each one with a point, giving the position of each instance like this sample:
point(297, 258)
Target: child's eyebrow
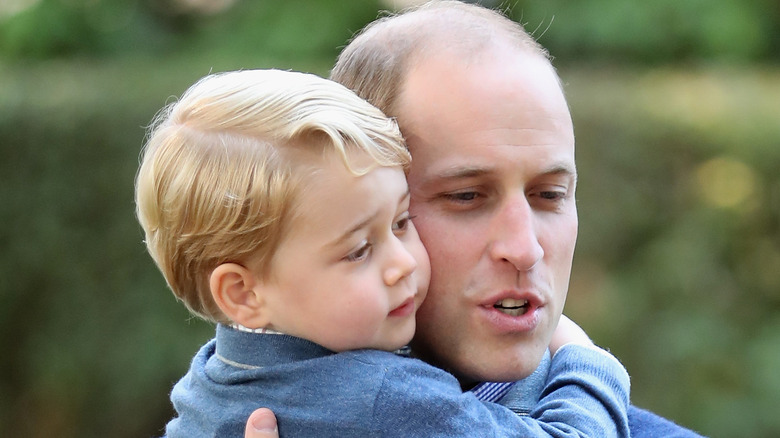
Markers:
point(354, 229)
point(363, 223)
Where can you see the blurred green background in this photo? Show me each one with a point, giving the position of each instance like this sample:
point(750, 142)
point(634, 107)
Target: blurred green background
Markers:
point(676, 105)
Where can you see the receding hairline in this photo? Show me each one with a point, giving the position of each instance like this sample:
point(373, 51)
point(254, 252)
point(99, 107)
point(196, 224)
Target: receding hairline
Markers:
point(449, 25)
point(379, 58)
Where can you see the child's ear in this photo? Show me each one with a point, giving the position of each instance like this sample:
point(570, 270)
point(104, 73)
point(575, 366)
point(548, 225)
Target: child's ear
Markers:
point(237, 292)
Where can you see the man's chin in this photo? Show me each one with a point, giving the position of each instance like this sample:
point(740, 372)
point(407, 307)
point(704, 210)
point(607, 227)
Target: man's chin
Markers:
point(478, 374)
point(475, 367)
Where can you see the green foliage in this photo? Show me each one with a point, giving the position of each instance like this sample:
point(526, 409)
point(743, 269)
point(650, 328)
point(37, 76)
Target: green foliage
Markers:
point(93, 338)
point(289, 29)
point(677, 265)
point(677, 262)
point(655, 31)
point(82, 302)
point(59, 28)
point(311, 29)
point(637, 32)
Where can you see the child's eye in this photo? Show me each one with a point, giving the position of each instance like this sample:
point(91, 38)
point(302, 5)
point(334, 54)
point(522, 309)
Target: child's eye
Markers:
point(402, 224)
point(359, 254)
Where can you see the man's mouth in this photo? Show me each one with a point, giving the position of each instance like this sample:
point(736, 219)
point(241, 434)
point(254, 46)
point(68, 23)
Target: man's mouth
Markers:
point(512, 307)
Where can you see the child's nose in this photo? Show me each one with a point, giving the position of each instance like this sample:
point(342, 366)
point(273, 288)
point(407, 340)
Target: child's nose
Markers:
point(401, 263)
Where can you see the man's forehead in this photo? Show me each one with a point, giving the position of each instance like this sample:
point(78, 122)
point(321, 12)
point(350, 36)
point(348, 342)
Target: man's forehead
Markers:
point(444, 169)
point(444, 86)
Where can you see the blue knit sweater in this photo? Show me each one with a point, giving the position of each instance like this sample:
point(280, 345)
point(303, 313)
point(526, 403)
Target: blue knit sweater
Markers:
point(524, 395)
point(317, 393)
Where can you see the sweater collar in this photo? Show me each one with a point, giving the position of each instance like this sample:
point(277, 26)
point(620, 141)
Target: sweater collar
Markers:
point(256, 350)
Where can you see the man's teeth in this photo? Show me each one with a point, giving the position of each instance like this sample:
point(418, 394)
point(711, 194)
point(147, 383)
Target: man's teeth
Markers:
point(512, 307)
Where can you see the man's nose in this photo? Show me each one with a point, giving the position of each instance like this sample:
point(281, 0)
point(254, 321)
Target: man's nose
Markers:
point(514, 236)
point(400, 263)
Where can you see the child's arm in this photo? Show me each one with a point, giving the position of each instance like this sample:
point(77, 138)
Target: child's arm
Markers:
point(602, 408)
point(262, 423)
point(568, 345)
point(568, 332)
point(586, 394)
point(569, 342)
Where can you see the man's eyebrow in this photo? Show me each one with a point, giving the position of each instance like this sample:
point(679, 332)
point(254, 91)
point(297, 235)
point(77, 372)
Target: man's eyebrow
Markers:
point(463, 172)
point(362, 223)
point(561, 169)
point(475, 171)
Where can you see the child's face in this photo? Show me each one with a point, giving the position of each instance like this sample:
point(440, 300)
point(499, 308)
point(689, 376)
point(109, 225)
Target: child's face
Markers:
point(352, 271)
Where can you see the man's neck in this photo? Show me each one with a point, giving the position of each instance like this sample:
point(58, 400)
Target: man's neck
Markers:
point(525, 394)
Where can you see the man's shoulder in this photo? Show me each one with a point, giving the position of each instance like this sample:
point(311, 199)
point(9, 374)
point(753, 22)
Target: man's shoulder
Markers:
point(645, 424)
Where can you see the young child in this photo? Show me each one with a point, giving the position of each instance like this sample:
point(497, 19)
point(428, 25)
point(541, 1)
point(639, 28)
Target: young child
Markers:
point(275, 204)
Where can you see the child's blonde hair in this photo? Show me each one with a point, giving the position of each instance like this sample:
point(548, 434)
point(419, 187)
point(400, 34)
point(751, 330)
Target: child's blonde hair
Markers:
point(218, 180)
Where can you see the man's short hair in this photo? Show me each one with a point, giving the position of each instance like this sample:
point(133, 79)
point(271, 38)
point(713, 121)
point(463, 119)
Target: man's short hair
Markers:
point(376, 61)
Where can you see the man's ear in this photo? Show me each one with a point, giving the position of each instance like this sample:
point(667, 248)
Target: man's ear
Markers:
point(238, 293)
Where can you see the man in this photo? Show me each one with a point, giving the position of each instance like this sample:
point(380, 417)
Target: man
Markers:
point(492, 186)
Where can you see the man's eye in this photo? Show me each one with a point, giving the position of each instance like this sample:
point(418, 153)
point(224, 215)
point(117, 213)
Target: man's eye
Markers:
point(552, 195)
point(359, 254)
point(461, 196)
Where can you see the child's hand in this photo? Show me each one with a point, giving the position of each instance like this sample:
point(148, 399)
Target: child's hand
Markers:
point(568, 332)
